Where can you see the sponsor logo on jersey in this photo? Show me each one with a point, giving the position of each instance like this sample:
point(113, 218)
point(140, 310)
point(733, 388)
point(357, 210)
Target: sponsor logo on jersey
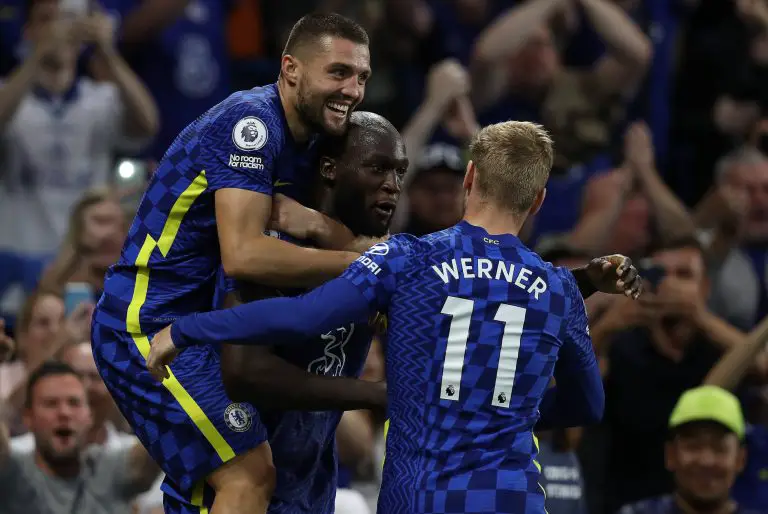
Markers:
point(368, 263)
point(250, 134)
point(246, 162)
point(238, 417)
point(379, 249)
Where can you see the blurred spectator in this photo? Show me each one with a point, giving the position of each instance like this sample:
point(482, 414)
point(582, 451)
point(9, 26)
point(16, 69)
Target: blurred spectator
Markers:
point(60, 133)
point(97, 230)
point(42, 331)
point(105, 417)
point(103, 431)
point(433, 196)
point(704, 453)
point(517, 74)
point(746, 366)
point(722, 90)
point(651, 351)
point(62, 476)
point(741, 285)
point(179, 49)
point(625, 208)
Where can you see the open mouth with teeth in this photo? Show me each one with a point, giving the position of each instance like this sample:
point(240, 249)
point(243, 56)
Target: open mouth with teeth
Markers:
point(338, 109)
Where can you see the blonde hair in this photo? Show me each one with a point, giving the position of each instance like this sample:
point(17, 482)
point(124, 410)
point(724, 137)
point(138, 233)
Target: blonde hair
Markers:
point(512, 163)
point(77, 214)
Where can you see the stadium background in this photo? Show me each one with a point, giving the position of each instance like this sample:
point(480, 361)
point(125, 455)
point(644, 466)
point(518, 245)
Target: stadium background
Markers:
point(658, 109)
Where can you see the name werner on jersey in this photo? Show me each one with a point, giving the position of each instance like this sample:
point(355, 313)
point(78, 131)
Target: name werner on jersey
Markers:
point(489, 269)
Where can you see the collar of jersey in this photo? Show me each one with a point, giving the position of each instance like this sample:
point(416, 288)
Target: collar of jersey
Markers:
point(67, 97)
point(503, 240)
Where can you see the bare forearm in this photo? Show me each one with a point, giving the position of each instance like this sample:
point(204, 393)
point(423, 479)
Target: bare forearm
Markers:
point(672, 219)
point(732, 367)
point(719, 331)
point(141, 115)
point(272, 262)
point(18, 85)
point(150, 18)
point(621, 35)
point(419, 129)
point(510, 31)
point(592, 231)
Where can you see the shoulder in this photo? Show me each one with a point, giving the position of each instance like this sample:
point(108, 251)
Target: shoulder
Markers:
point(24, 443)
point(252, 119)
point(561, 280)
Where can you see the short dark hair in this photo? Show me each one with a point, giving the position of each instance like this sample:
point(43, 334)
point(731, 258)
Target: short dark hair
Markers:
point(49, 368)
point(679, 243)
point(314, 26)
point(334, 146)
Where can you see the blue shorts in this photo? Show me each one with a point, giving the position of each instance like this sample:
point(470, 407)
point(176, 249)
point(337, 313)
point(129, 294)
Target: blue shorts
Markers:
point(188, 424)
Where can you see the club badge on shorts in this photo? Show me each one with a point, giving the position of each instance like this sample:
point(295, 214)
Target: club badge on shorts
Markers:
point(238, 417)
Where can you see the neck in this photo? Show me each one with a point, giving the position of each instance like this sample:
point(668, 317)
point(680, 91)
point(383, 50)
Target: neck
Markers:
point(65, 469)
point(91, 274)
point(298, 128)
point(493, 219)
point(57, 82)
point(726, 506)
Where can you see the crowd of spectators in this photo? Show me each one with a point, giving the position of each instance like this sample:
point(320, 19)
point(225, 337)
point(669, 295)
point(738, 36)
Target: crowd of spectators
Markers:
point(659, 113)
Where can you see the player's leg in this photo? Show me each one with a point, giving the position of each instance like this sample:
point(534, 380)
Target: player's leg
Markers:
point(187, 423)
point(244, 479)
point(244, 484)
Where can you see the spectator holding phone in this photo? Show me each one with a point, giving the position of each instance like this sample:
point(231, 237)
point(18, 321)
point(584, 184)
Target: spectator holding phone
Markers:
point(651, 352)
point(42, 330)
point(97, 229)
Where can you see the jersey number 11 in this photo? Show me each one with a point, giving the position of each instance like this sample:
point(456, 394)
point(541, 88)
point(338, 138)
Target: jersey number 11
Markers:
point(460, 310)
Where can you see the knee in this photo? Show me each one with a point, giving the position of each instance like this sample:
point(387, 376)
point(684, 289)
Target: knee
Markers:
point(252, 473)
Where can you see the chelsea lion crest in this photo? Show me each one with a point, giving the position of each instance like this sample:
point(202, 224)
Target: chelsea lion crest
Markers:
point(238, 417)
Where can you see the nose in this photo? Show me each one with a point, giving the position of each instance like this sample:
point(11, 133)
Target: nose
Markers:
point(392, 183)
point(353, 89)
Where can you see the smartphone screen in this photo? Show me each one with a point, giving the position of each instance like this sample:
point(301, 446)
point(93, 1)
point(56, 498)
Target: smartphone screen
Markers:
point(76, 293)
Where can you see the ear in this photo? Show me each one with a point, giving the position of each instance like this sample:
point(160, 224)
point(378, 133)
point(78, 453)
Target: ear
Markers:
point(469, 177)
point(289, 69)
point(328, 169)
point(538, 202)
point(26, 418)
point(670, 459)
point(741, 459)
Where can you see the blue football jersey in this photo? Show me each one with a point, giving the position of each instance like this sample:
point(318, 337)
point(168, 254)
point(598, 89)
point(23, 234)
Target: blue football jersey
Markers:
point(476, 324)
point(304, 443)
point(169, 263)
